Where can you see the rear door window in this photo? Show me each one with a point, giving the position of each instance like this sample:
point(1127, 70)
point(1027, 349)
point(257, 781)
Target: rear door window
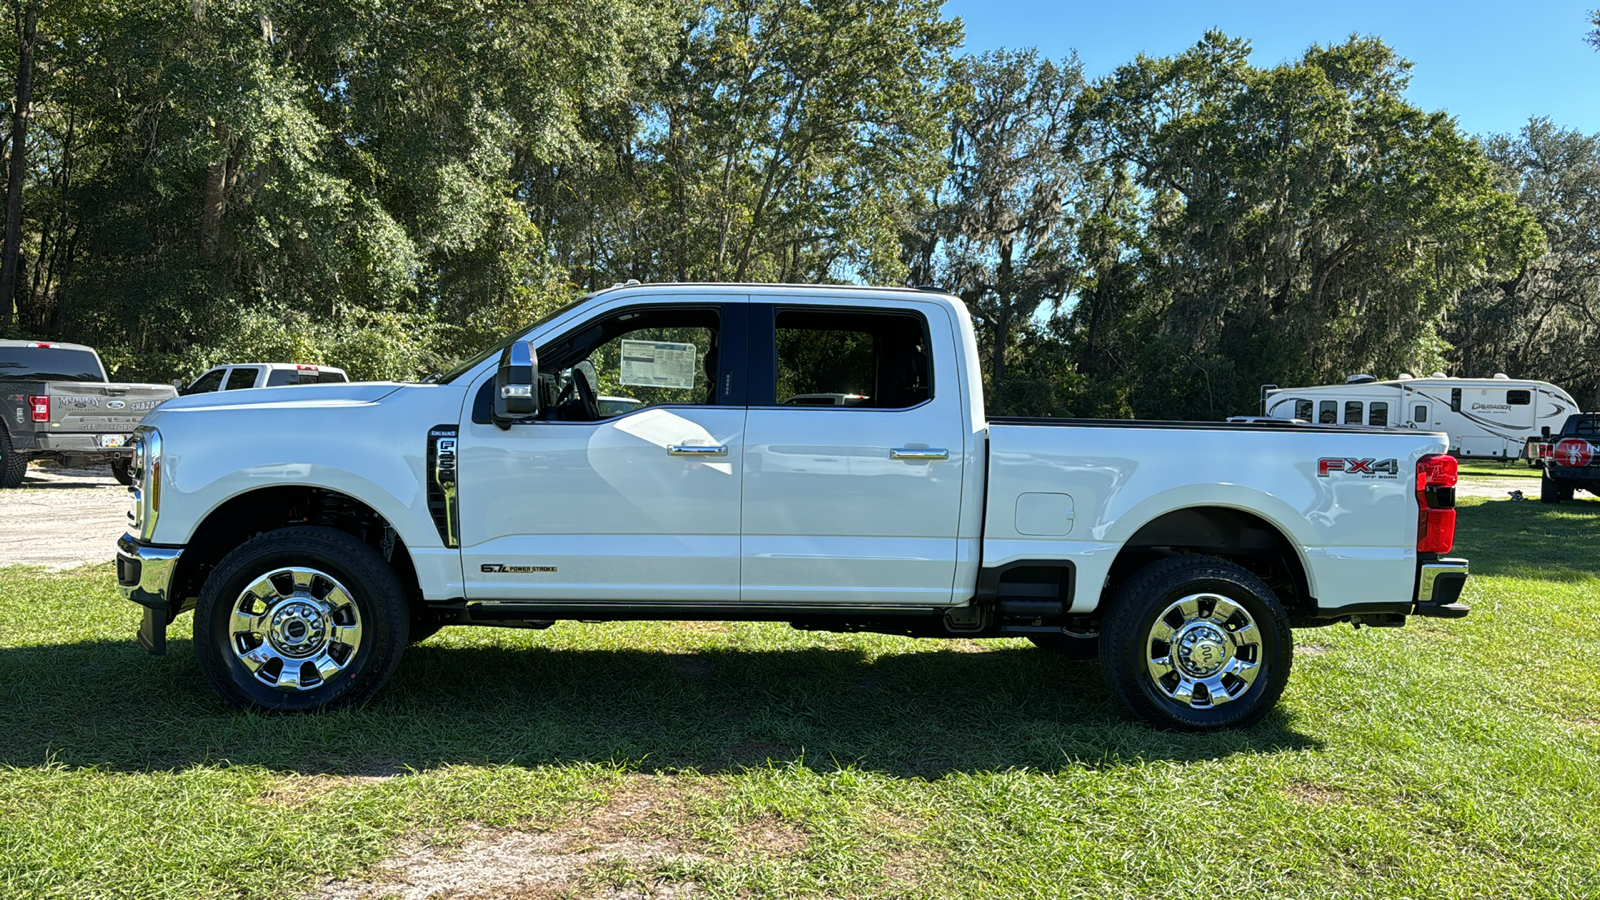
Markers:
point(243, 377)
point(849, 358)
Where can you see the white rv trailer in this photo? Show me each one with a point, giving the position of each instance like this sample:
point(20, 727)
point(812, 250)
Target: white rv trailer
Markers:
point(1485, 417)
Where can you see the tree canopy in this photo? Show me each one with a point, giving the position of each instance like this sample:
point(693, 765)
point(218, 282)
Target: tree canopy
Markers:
point(384, 187)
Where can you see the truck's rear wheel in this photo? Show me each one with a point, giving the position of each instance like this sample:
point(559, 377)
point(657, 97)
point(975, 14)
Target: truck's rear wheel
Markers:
point(1196, 643)
point(121, 470)
point(300, 618)
point(13, 465)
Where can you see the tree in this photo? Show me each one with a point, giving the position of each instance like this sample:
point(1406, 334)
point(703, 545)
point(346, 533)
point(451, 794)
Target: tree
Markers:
point(1542, 320)
point(775, 141)
point(1295, 224)
point(1001, 235)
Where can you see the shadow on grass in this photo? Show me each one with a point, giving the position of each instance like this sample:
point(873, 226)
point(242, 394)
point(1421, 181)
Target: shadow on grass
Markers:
point(1552, 541)
point(924, 714)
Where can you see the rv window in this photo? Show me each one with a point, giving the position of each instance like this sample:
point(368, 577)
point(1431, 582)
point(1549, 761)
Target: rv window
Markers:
point(1328, 412)
point(1519, 398)
point(1378, 413)
point(1419, 414)
point(1455, 399)
point(1352, 412)
point(1302, 409)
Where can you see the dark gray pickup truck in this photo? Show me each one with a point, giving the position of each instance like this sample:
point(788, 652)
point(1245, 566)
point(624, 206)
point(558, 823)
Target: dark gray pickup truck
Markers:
point(56, 403)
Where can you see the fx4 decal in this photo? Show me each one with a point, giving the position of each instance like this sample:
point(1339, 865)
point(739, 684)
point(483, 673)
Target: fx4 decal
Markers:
point(1366, 468)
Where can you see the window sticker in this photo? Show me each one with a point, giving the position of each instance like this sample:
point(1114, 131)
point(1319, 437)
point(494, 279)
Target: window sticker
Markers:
point(658, 364)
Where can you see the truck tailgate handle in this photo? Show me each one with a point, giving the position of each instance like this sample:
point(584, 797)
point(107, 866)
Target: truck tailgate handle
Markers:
point(918, 453)
point(697, 449)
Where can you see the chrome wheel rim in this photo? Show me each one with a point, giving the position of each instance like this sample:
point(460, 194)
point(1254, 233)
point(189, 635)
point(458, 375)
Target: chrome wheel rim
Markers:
point(294, 629)
point(1203, 651)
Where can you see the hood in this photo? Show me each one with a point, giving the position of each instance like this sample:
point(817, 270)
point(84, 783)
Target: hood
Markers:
point(357, 393)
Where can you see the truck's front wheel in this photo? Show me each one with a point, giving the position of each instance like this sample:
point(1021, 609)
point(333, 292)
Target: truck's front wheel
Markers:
point(300, 618)
point(1196, 643)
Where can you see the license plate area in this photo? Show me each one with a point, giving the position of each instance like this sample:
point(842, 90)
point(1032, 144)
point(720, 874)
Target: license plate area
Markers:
point(112, 440)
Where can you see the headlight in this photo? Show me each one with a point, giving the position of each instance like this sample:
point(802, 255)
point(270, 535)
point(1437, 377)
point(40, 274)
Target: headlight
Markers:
point(145, 492)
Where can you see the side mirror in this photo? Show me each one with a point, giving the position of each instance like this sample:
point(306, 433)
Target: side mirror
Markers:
point(516, 385)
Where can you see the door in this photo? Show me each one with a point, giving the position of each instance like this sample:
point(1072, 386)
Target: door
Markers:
point(634, 500)
point(853, 457)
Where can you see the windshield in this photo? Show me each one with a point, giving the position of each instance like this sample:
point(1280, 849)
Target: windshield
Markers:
point(495, 348)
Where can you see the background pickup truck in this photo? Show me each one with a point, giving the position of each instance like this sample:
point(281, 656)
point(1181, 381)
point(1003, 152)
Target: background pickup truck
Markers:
point(235, 376)
point(56, 403)
point(1179, 553)
point(1574, 459)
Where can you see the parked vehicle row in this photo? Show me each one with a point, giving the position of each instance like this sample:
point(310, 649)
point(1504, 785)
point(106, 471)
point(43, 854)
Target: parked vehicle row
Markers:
point(56, 403)
point(813, 455)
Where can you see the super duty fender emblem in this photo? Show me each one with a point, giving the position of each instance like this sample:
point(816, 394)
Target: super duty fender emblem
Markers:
point(443, 483)
point(499, 568)
point(1366, 468)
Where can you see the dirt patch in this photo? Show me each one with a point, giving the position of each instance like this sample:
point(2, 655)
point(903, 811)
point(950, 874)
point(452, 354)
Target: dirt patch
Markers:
point(629, 848)
point(62, 518)
point(1316, 794)
point(769, 835)
point(1310, 650)
point(1496, 488)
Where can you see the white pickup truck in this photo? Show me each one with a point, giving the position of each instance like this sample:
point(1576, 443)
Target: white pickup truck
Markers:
point(316, 531)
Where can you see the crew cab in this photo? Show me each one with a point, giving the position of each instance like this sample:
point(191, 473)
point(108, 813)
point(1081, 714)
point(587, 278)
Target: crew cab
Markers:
point(1179, 553)
point(235, 376)
point(56, 403)
point(1574, 460)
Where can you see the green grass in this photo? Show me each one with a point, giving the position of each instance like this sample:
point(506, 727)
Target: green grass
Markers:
point(1449, 759)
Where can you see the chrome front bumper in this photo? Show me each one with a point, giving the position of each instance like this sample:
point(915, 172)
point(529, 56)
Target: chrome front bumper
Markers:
point(144, 575)
point(1439, 585)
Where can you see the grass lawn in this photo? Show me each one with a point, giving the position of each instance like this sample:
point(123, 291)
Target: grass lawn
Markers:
point(1442, 760)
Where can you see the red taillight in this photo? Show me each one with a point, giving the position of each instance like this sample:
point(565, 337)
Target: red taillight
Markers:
point(40, 407)
point(1436, 503)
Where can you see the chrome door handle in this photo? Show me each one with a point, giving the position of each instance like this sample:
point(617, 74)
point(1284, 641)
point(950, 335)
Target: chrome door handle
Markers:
point(918, 453)
point(697, 449)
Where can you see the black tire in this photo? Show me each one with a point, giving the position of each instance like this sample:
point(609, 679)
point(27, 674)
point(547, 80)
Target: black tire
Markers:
point(1148, 604)
point(1069, 644)
point(121, 470)
point(376, 611)
point(13, 465)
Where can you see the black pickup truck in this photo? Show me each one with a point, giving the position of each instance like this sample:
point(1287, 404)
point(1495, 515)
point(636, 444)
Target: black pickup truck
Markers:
point(56, 403)
point(1574, 460)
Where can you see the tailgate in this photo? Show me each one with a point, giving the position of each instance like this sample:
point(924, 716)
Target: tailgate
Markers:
point(87, 408)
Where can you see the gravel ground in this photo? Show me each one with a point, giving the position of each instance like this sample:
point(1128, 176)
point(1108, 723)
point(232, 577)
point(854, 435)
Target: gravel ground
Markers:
point(62, 518)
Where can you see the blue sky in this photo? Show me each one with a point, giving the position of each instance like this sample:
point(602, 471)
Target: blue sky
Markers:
point(1491, 65)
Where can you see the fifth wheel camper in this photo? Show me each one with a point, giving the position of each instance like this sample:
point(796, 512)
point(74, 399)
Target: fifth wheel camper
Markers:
point(1486, 418)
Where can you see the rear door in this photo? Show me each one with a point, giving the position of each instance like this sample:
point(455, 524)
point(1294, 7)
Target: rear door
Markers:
point(855, 501)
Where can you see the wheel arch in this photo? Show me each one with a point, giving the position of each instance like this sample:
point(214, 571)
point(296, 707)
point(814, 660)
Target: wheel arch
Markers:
point(1240, 535)
point(248, 513)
